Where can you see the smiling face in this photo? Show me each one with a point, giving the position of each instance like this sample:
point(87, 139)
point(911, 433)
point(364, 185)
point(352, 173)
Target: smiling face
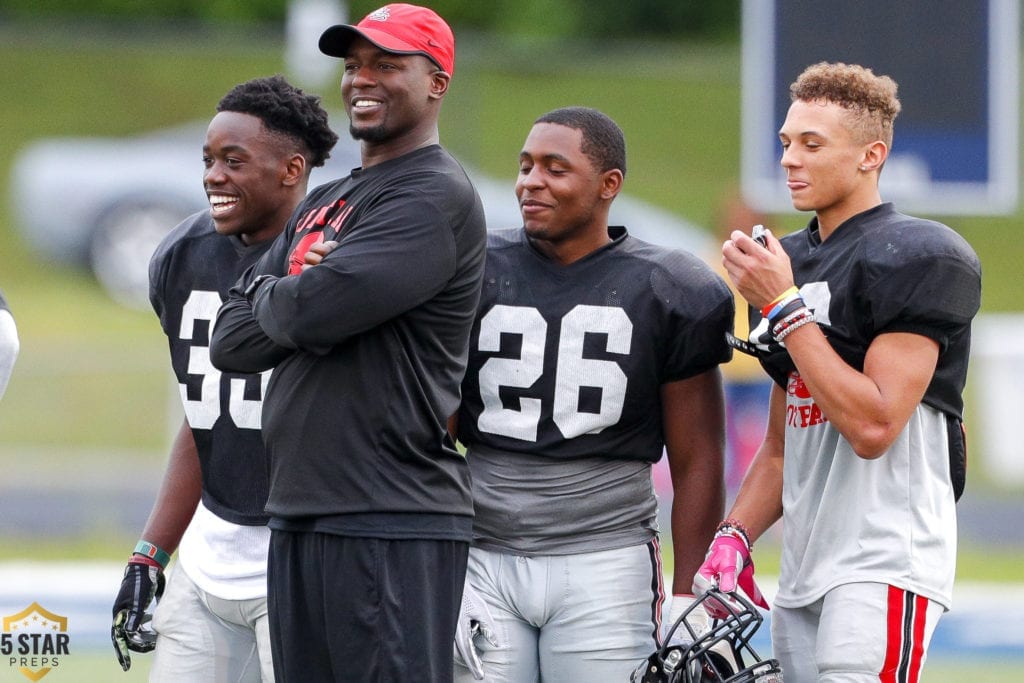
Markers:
point(564, 199)
point(248, 178)
point(392, 100)
point(828, 169)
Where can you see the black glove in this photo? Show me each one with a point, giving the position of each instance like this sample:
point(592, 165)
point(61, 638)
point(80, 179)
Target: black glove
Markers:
point(142, 583)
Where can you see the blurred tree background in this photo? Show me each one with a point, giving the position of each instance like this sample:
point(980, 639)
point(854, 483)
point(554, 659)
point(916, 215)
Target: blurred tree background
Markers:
point(582, 18)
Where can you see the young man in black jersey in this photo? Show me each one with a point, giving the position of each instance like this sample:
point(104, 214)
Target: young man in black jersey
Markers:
point(370, 505)
point(8, 344)
point(211, 623)
point(592, 353)
point(864, 325)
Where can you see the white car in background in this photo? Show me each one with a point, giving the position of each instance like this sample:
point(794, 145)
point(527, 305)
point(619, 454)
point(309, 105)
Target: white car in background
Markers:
point(105, 203)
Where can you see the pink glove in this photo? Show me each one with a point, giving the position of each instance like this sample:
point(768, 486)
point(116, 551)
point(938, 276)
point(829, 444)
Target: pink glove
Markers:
point(727, 565)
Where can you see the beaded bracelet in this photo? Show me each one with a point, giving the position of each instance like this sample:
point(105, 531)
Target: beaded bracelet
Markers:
point(153, 552)
point(782, 334)
point(791, 319)
point(796, 325)
point(734, 525)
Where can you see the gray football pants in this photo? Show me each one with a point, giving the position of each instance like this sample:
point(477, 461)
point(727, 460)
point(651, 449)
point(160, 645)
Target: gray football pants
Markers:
point(205, 638)
point(586, 617)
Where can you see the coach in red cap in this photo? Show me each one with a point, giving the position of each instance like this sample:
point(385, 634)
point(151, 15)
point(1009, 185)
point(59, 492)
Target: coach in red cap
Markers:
point(363, 308)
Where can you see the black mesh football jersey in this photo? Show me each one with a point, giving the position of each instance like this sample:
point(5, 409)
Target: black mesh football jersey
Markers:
point(882, 271)
point(567, 361)
point(189, 277)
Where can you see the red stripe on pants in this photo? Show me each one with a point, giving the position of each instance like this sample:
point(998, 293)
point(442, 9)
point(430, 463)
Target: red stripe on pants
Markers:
point(900, 625)
point(917, 653)
point(893, 636)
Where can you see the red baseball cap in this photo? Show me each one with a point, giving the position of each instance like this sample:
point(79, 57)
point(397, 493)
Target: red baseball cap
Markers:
point(399, 28)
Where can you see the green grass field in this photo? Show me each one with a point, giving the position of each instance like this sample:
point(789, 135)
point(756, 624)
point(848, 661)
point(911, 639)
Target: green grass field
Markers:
point(91, 394)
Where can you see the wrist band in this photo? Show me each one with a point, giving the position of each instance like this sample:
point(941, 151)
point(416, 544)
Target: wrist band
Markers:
point(785, 307)
point(789, 292)
point(783, 330)
point(791, 318)
point(137, 558)
point(250, 291)
point(153, 552)
point(729, 526)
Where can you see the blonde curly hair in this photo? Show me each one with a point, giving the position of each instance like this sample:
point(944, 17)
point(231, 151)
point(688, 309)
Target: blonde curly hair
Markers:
point(871, 100)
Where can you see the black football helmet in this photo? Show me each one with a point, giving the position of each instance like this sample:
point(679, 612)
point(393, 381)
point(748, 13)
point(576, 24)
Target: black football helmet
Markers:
point(722, 654)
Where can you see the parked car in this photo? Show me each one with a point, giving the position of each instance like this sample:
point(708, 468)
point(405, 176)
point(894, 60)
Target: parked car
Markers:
point(105, 203)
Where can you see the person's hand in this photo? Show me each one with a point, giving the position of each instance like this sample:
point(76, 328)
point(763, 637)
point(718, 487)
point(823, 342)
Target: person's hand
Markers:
point(759, 272)
point(696, 624)
point(474, 620)
point(726, 566)
point(142, 582)
point(317, 252)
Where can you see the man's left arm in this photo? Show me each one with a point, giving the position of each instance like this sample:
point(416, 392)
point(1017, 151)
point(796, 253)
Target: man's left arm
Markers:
point(693, 417)
point(869, 408)
point(401, 254)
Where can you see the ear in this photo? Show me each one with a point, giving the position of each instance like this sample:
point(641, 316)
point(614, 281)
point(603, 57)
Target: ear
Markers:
point(874, 156)
point(611, 183)
point(294, 170)
point(439, 81)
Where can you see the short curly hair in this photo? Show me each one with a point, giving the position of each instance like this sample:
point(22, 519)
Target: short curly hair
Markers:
point(603, 141)
point(870, 99)
point(286, 110)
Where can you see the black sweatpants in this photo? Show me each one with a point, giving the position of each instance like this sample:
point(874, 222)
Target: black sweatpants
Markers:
point(365, 610)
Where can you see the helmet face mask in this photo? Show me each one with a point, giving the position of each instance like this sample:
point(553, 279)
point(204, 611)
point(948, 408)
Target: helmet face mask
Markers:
point(722, 654)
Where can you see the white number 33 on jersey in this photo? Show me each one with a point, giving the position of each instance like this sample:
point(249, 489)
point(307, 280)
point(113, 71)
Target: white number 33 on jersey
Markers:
point(203, 412)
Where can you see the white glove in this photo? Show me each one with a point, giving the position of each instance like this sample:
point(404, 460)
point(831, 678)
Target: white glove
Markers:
point(761, 337)
point(697, 620)
point(474, 619)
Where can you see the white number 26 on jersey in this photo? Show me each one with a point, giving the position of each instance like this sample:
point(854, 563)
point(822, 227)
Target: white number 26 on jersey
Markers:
point(203, 413)
point(572, 372)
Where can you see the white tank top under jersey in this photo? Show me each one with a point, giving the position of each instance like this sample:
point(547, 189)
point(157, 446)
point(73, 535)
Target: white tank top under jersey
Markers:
point(225, 559)
point(846, 519)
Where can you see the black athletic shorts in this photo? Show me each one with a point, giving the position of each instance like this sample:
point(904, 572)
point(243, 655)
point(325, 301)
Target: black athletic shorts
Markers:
point(365, 610)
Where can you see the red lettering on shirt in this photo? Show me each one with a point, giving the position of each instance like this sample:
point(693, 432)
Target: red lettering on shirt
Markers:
point(298, 255)
point(318, 216)
point(340, 217)
point(803, 412)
